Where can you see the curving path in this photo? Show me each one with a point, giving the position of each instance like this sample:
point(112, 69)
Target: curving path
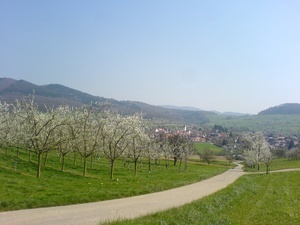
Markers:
point(94, 213)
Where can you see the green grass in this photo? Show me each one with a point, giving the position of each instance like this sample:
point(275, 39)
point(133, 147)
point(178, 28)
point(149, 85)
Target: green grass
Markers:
point(21, 189)
point(276, 164)
point(256, 199)
point(201, 146)
point(218, 161)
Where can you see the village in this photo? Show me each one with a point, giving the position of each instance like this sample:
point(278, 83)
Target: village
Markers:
point(221, 137)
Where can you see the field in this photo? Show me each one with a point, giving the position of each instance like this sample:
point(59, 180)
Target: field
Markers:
point(21, 189)
point(200, 147)
point(253, 199)
point(276, 164)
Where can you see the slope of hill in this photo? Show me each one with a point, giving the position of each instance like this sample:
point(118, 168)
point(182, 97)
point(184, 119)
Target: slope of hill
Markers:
point(181, 107)
point(5, 83)
point(54, 95)
point(51, 95)
point(274, 120)
point(188, 108)
point(284, 109)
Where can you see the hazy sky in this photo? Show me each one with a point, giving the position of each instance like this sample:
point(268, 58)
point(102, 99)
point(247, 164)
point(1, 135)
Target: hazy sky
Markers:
point(224, 55)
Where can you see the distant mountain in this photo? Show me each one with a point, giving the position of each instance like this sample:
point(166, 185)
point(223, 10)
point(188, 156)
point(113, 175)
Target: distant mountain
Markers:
point(284, 109)
point(5, 83)
point(231, 113)
point(51, 95)
point(181, 107)
point(54, 95)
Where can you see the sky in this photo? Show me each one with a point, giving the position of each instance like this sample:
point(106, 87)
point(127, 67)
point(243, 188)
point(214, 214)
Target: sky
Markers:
point(234, 55)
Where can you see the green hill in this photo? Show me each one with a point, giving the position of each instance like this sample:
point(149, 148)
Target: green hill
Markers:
point(54, 95)
point(283, 119)
point(269, 124)
point(284, 109)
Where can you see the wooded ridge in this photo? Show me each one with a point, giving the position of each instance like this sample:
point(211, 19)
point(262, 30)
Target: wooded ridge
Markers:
point(54, 95)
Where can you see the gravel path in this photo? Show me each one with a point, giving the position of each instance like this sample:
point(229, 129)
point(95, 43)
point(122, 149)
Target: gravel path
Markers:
point(94, 213)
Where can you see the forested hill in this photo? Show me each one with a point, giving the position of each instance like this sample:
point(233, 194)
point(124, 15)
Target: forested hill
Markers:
point(284, 109)
point(54, 95)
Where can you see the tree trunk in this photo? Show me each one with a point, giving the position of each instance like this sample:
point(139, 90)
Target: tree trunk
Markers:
point(186, 165)
point(46, 159)
point(112, 164)
point(74, 161)
point(84, 166)
point(124, 161)
point(39, 165)
point(149, 165)
point(179, 169)
point(175, 161)
point(92, 161)
point(63, 162)
point(267, 169)
point(135, 167)
point(167, 163)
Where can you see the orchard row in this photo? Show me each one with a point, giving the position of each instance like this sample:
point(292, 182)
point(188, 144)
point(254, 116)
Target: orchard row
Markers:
point(90, 131)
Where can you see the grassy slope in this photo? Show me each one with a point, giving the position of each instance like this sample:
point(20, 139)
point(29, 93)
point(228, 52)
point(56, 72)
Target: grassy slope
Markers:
point(21, 189)
point(252, 199)
point(200, 147)
point(277, 164)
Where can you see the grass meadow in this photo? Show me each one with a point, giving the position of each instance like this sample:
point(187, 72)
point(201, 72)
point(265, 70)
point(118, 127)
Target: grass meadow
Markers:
point(201, 146)
point(276, 164)
point(252, 199)
point(255, 199)
point(20, 189)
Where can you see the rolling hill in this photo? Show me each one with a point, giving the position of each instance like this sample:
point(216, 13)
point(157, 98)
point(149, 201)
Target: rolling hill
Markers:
point(284, 109)
point(54, 95)
point(282, 119)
